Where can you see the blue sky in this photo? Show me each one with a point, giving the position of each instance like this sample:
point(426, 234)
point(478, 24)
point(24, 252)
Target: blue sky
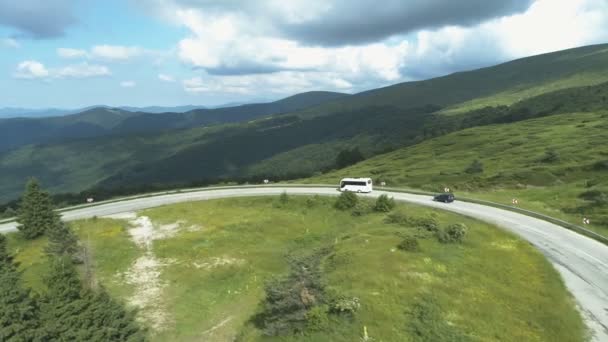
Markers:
point(70, 53)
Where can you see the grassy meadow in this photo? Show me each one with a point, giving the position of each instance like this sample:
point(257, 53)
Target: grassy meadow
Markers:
point(198, 273)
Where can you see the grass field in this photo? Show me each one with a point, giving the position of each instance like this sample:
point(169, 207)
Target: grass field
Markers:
point(197, 272)
point(556, 165)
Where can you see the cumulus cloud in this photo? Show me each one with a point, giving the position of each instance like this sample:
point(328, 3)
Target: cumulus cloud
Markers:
point(71, 53)
point(37, 19)
point(347, 22)
point(31, 70)
point(166, 78)
point(243, 46)
point(35, 70)
point(115, 52)
point(128, 84)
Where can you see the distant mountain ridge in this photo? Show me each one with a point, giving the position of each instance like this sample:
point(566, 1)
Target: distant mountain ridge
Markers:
point(102, 120)
point(13, 112)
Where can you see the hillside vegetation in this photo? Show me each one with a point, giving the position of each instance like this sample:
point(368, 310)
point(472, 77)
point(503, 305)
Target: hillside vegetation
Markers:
point(106, 121)
point(557, 165)
point(297, 144)
point(297, 269)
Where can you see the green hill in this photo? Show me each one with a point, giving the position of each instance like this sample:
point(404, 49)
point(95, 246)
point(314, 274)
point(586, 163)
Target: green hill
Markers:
point(106, 121)
point(557, 165)
point(503, 84)
point(296, 143)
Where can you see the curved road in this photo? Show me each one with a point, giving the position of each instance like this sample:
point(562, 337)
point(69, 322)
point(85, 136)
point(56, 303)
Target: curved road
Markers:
point(582, 262)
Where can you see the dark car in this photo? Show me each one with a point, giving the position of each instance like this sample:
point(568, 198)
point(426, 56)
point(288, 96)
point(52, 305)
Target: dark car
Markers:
point(445, 198)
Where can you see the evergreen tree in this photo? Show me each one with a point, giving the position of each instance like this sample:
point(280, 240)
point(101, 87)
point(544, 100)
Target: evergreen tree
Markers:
point(76, 313)
point(63, 242)
point(19, 313)
point(36, 213)
point(349, 157)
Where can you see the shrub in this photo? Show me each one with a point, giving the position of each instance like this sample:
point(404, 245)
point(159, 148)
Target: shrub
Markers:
point(345, 305)
point(409, 244)
point(284, 198)
point(347, 200)
point(475, 167)
point(551, 156)
point(317, 318)
point(601, 165)
point(454, 233)
point(384, 204)
point(428, 223)
point(362, 208)
point(397, 217)
point(289, 299)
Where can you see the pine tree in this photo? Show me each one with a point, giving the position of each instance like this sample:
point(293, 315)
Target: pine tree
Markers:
point(36, 213)
point(19, 313)
point(76, 313)
point(63, 242)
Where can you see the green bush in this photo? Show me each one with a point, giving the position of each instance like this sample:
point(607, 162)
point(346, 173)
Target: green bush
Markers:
point(409, 244)
point(397, 217)
point(284, 198)
point(454, 233)
point(475, 167)
point(428, 223)
point(347, 200)
point(317, 318)
point(551, 156)
point(362, 208)
point(384, 204)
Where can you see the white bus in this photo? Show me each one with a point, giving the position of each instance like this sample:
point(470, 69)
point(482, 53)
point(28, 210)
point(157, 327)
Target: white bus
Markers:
point(356, 184)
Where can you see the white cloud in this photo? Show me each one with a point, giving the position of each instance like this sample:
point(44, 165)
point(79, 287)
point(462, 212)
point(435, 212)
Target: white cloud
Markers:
point(241, 51)
point(31, 70)
point(37, 70)
point(71, 53)
point(128, 84)
point(166, 78)
point(115, 52)
point(82, 70)
point(10, 43)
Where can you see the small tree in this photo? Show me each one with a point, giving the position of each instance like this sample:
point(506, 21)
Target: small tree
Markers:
point(9, 212)
point(362, 208)
point(409, 244)
point(384, 204)
point(475, 167)
point(63, 242)
point(347, 200)
point(284, 198)
point(36, 212)
point(19, 313)
point(454, 233)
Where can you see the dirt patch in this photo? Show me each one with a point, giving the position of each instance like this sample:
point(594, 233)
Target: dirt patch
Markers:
point(217, 262)
point(145, 273)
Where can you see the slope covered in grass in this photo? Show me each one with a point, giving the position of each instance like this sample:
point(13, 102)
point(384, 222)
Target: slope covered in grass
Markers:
point(557, 165)
point(301, 144)
point(199, 272)
point(503, 84)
